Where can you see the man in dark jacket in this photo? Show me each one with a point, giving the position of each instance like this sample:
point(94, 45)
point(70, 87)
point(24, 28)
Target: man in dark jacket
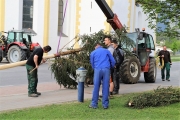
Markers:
point(32, 65)
point(165, 55)
point(118, 55)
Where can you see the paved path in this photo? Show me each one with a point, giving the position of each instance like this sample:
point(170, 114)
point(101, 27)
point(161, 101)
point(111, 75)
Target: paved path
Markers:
point(14, 97)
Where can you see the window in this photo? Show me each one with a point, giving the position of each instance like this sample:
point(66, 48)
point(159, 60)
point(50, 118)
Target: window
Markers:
point(19, 36)
point(148, 43)
point(27, 13)
point(10, 37)
point(151, 42)
point(60, 16)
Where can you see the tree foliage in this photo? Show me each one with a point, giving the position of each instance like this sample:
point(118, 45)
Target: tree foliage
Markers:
point(163, 11)
point(174, 44)
point(64, 67)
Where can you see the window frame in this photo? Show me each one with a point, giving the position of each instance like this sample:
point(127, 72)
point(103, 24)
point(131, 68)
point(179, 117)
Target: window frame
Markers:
point(60, 16)
point(27, 19)
point(151, 40)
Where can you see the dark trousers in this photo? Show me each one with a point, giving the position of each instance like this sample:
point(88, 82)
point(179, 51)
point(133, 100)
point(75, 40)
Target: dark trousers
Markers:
point(167, 67)
point(116, 79)
point(32, 79)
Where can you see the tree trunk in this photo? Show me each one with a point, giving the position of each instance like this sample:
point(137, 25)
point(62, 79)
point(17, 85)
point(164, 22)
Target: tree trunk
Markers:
point(6, 66)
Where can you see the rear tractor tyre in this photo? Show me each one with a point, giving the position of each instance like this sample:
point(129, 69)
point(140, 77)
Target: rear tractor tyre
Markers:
point(1, 58)
point(1, 54)
point(150, 76)
point(16, 54)
point(130, 70)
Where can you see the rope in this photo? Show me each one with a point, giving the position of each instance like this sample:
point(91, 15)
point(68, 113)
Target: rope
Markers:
point(158, 62)
point(62, 25)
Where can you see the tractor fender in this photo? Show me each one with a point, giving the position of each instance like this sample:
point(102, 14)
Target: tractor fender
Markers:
point(35, 47)
point(134, 54)
point(21, 45)
point(1, 52)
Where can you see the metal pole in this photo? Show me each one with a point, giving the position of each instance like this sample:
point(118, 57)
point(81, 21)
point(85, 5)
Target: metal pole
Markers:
point(81, 91)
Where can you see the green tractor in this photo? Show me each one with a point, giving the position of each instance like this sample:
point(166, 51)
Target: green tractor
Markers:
point(17, 46)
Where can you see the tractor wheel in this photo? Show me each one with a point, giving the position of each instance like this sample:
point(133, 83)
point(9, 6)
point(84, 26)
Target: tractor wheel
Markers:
point(150, 76)
point(7, 59)
point(1, 58)
point(16, 54)
point(130, 70)
point(1, 55)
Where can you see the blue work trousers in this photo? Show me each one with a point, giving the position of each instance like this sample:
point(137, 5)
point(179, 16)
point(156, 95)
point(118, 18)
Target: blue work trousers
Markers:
point(104, 76)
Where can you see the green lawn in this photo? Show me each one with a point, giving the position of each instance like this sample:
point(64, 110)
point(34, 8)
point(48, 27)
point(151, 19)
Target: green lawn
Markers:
point(175, 58)
point(80, 111)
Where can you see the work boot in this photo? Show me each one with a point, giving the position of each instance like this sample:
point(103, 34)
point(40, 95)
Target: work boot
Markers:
point(90, 106)
point(105, 107)
point(38, 93)
point(115, 92)
point(100, 96)
point(111, 96)
point(32, 95)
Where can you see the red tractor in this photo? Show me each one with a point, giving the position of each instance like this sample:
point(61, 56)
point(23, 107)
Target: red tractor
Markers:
point(17, 46)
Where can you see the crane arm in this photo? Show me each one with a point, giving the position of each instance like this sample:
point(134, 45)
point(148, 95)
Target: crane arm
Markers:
point(112, 18)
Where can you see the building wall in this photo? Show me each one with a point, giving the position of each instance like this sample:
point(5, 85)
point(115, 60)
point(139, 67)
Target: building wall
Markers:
point(13, 14)
point(120, 7)
point(91, 18)
point(82, 17)
point(2, 13)
point(141, 21)
point(38, 21)
point(68, 32)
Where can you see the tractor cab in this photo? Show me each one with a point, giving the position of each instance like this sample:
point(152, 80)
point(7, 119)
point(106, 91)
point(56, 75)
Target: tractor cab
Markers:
point(22, 36)
point(143, 45)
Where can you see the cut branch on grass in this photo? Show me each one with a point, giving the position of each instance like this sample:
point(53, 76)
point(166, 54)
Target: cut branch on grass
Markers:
point(159, 97)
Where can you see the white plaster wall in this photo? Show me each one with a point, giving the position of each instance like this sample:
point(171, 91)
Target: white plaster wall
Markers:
point(97, 18)
point(71, 22)
point(120, 7)
point(132, 17)
point(68, 26)
point(53, 25)
point(85, 16)
point(143, 22)
point(13, 14)
point(38, 21)
point(91, 17)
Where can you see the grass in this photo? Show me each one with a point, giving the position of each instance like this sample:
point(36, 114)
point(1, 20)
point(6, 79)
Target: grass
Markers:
point(80, 111)
point(175, 58)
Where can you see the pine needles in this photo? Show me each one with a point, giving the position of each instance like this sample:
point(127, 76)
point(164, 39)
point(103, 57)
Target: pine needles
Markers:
point(159, 97)
point(64, 67)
